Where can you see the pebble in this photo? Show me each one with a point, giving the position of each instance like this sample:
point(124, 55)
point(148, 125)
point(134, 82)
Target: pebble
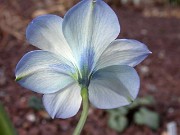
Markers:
point(170, 110)
point(151, 87)
point(164, 133)
point(22, 103)
point(43, 122)
point(64, 125)
point(91, 111)
point(144, 70)
point(144, 32)
point(161, 54)
point(26, 125)
point(124, 1)
point(137, 2)
point(44, 114)
point(31, 117)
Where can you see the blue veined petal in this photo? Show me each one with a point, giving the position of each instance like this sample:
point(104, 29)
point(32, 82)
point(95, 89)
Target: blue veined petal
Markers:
point(87, 61)
point(45, 32)
point(123, 52)
point(113, 87)
point(90, 25)
point(64, 103)
point(45, 81)
point(44, 72)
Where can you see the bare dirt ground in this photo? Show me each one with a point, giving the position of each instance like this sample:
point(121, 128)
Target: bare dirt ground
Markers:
point(157, 26)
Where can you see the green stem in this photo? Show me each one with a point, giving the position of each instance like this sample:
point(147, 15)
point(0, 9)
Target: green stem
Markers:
point(6, 127)
point(85, 103)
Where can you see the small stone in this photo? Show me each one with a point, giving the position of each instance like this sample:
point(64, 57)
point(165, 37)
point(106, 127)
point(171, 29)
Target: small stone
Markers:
point(22, 99)
point(170, 110)
point(164, 133)
point(44, 114)
point(137, 2)
point(124, 1)
point(43, 122)
point(64, 125)
point(91, 111)
point(144, 32)
point(144, 70)
point(151, 87)
point(22, 104)
point(161, 54)
point(26, 125)
point(31, 117)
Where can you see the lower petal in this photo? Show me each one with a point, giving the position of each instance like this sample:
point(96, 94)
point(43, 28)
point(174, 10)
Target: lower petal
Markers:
point(44, 72)
point(113, 87)
point(64, 103)
point(45, 81)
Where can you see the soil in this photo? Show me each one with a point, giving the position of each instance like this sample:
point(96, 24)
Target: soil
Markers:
point(159, 73)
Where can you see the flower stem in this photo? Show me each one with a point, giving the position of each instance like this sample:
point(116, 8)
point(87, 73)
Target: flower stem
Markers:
point(85, 103)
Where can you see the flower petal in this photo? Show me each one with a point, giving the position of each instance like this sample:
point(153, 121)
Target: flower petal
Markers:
point(45, 32)
point(89, 27)
point(43, 72)
point(113, 87)
point(123, 52)
point(64, 103)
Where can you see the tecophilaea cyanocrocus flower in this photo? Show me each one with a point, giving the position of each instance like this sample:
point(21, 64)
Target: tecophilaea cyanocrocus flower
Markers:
point(81, 51)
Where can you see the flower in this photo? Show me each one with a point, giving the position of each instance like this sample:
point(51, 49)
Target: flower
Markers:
point(81, 51)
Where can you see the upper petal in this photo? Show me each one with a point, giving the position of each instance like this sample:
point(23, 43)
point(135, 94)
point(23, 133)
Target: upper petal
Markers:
point(123, 52)
point(44, 72)
point(45, 32)
point(113, 87)
point(89, 27)
point(64, 103)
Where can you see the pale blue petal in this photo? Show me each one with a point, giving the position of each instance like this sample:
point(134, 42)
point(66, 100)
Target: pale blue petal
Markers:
point(89, 28)
point(113, 87)
point(43, 72)
point(45, 32)
point(123, 52)
point(64, 103)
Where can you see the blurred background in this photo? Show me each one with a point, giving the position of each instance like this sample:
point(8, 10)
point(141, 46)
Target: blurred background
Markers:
point(157, 109)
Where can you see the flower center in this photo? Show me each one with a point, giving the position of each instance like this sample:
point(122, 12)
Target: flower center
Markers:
point(86, 67)
point(84, 81)
point(84, 76)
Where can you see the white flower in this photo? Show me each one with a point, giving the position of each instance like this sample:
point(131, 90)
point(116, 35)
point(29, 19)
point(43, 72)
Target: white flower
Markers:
point(81, 51)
